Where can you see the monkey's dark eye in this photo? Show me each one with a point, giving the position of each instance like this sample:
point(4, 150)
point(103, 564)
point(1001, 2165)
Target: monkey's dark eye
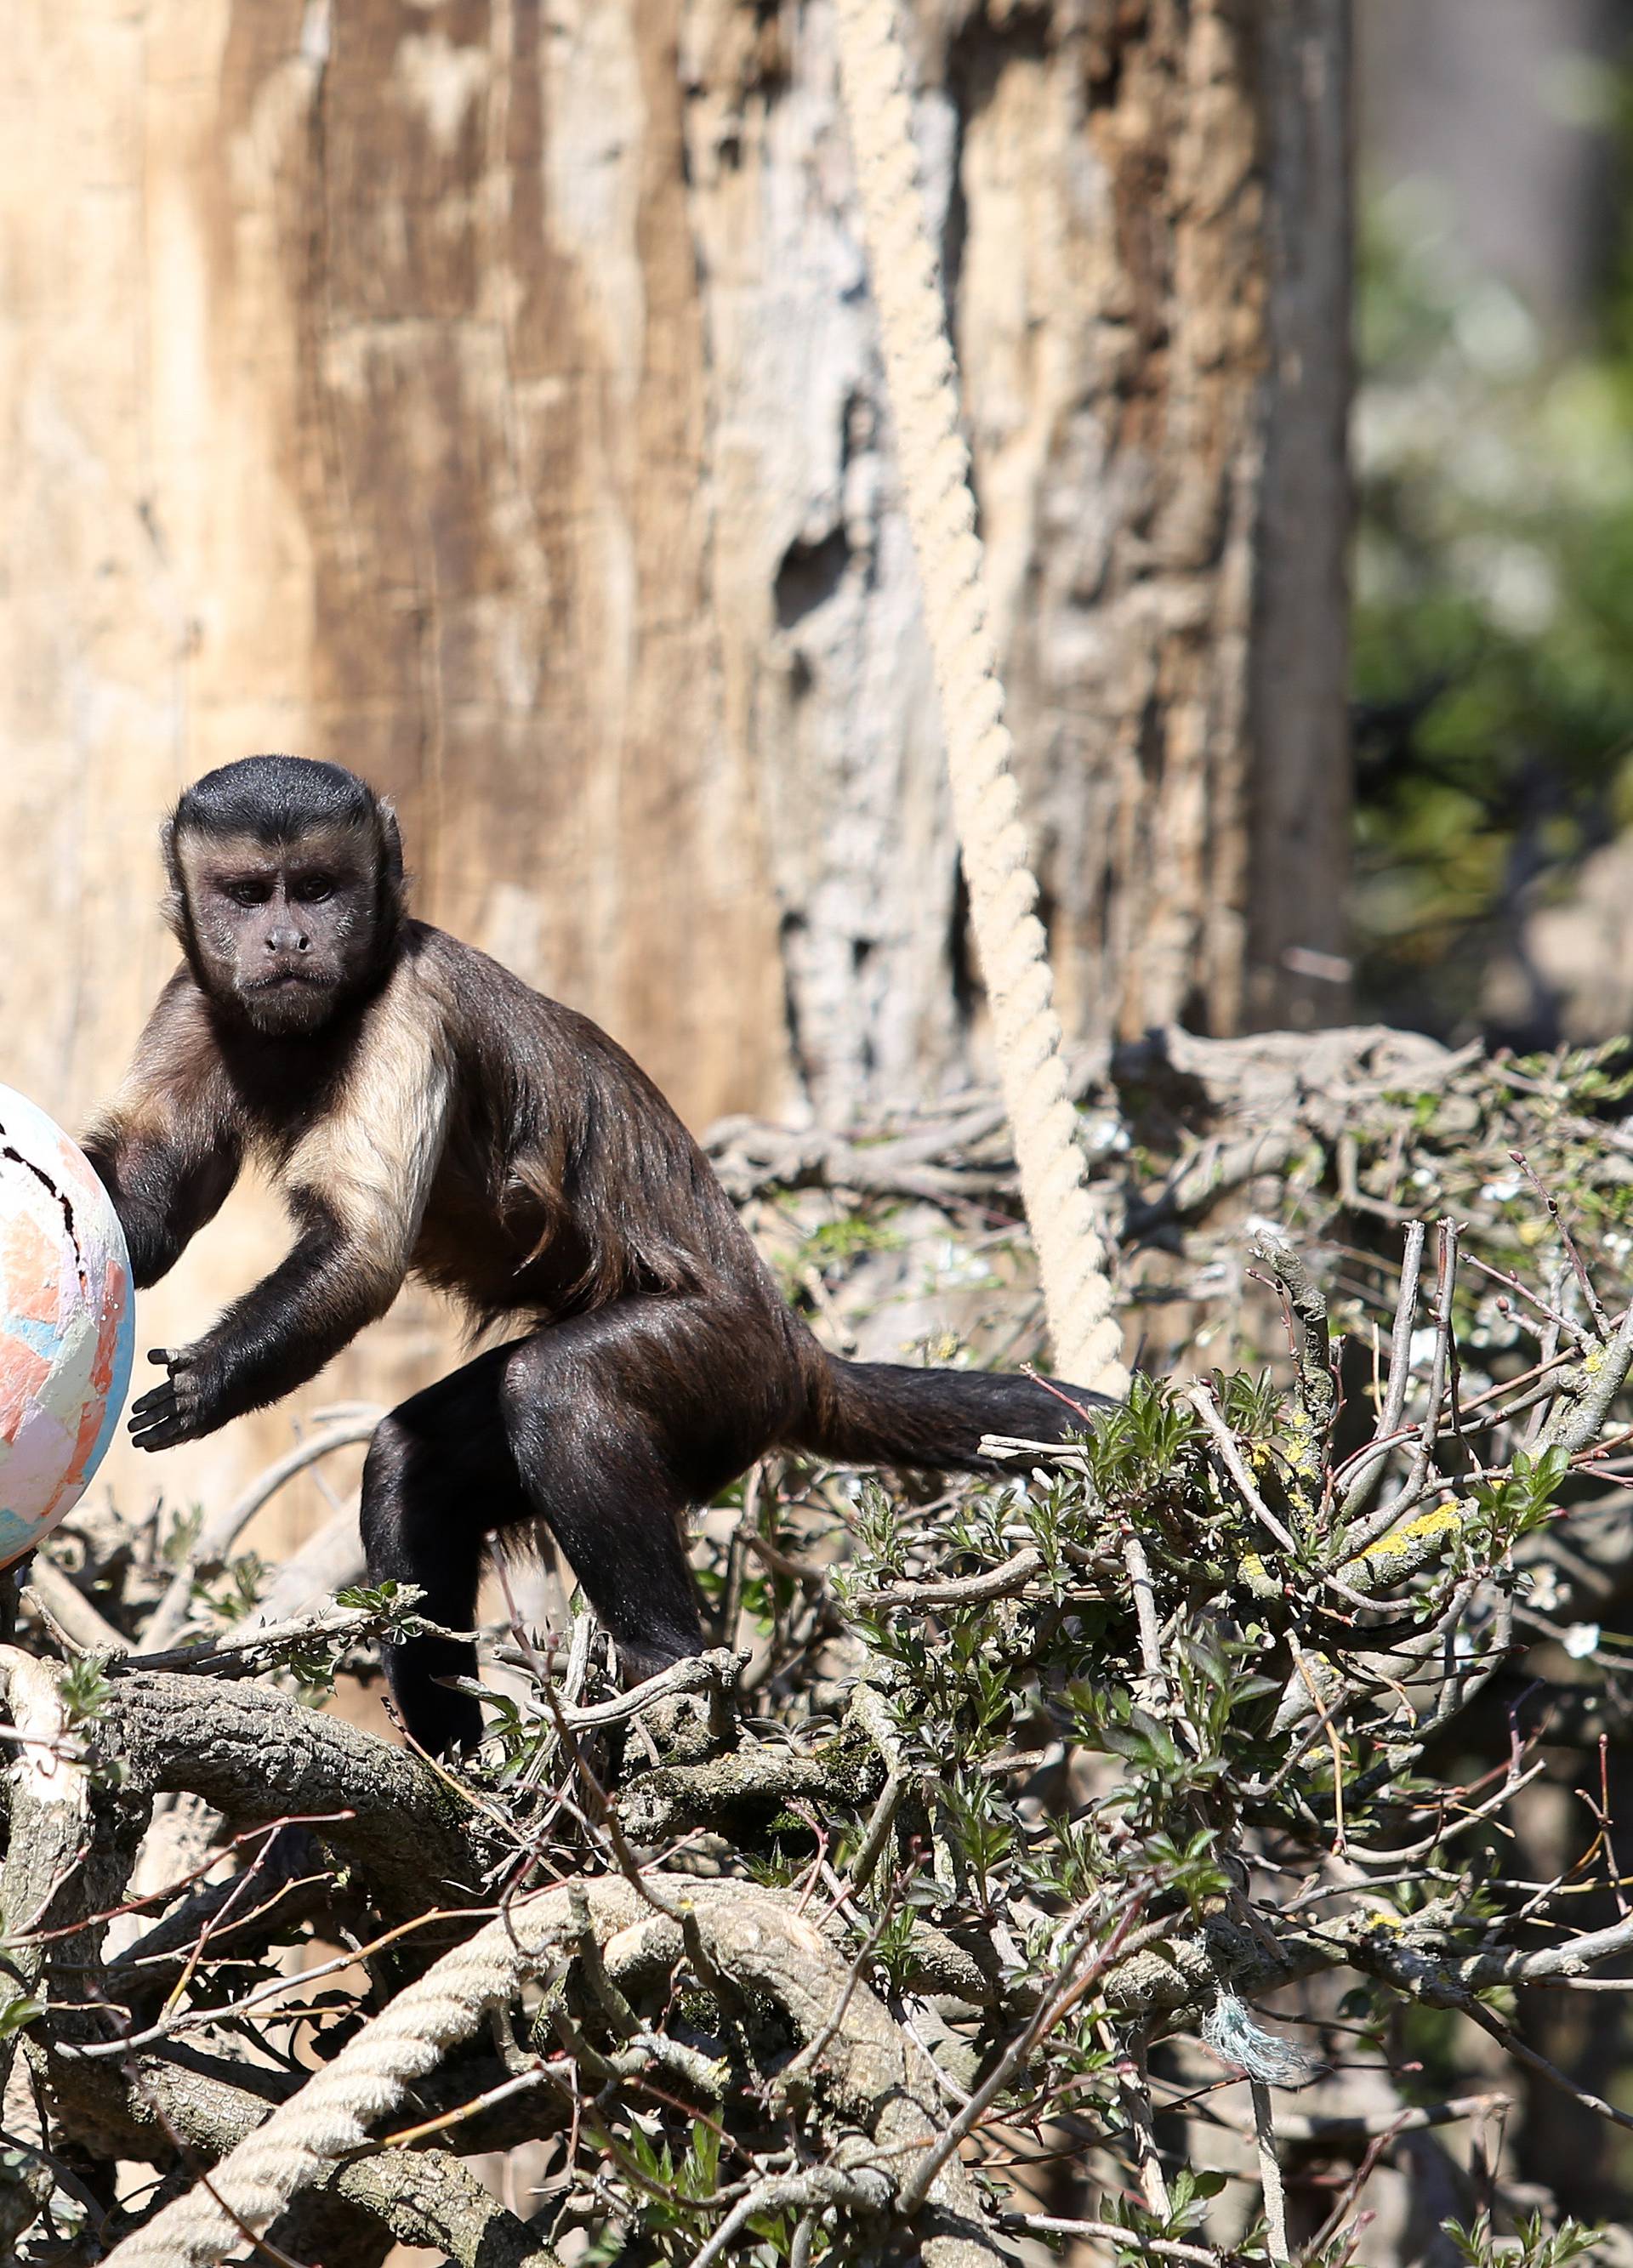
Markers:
point(246, 894)
point(312, 889)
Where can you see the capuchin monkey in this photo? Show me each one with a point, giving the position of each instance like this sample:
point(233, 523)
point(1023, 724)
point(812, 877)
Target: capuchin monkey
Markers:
point(427, 1114)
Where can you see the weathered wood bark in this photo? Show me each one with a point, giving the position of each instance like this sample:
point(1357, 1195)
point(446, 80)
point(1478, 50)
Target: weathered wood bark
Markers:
point(486, 396)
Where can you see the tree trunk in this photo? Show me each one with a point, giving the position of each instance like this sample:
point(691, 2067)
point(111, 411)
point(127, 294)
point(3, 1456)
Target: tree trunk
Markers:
point(487, 396)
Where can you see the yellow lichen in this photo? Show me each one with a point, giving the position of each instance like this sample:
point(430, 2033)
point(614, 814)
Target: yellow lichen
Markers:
point(1444, 1518)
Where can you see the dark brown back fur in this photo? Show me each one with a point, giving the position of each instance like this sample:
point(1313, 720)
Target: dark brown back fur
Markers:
point(567, 1181)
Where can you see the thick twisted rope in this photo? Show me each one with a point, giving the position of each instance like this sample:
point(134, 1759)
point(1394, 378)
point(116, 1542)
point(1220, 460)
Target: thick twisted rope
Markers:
point(881, 2077)
point(335, 2111)
point(997, 857)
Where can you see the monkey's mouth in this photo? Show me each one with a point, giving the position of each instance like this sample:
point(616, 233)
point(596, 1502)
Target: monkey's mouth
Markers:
point(291, 999)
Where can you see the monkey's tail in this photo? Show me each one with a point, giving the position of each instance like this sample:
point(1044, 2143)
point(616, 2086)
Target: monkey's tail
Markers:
point(884, 1413)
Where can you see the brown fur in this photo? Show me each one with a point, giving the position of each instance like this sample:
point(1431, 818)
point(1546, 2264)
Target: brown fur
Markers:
point(426, 1113)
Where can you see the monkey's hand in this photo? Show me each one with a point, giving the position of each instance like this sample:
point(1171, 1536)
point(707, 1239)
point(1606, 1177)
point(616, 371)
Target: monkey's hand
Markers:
point(181, 1408)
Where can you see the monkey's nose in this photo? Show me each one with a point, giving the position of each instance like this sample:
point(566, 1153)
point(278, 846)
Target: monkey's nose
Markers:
point(288, 940)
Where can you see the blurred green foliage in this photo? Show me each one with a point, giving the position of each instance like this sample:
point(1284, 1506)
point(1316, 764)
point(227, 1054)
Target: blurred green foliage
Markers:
point(1493, 622)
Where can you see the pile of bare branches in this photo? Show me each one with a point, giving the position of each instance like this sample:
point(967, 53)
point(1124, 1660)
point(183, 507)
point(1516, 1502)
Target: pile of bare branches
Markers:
point(1022, 1851)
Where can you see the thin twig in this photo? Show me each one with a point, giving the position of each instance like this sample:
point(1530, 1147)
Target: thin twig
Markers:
point(1153, 1680)
point(1384, 1519)
point(1231, 1458)
point(1133, 2091)
point(1393, 1410)
point(217, 1538)
point(1573, 1255)
point(1270, 2172)
point(1049, 2012)
point(1164, 2248)
point(58, 1595)
point(864, 2187)
point(1007, 1581)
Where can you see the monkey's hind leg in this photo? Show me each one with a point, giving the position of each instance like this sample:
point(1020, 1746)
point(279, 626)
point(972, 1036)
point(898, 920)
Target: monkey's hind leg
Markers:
point(621, 1422)
point(439, 1479)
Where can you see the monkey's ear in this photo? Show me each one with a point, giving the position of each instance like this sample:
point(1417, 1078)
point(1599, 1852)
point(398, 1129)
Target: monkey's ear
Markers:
point(173, 905)
point(391, 851)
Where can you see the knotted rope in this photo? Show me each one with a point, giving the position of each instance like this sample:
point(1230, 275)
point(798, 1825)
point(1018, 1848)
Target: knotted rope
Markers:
point(997, 857)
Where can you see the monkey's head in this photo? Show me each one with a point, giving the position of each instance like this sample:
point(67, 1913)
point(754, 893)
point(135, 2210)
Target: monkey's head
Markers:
point(285, 889)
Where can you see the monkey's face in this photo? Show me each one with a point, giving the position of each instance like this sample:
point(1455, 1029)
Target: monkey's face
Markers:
point(284, 934)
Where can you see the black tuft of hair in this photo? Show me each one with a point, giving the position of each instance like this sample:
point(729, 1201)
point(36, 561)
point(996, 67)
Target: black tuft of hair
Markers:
point(275, 798)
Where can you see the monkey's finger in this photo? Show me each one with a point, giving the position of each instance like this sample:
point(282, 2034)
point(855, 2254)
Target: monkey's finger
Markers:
point(153, 1429)
point(166, 1356)
point(162, 1437)
point(156, 1398)
point(147, 1421)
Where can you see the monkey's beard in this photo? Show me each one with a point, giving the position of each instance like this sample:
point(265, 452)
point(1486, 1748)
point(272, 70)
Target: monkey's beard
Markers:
point(288, 1007)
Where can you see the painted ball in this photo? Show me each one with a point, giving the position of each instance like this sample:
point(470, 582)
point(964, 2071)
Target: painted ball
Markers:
point(67, 1322)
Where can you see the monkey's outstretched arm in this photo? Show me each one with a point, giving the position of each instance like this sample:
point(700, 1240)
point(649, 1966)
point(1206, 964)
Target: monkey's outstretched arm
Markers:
point(357, 1185)
point(276, 1338)
point(168, 1148)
